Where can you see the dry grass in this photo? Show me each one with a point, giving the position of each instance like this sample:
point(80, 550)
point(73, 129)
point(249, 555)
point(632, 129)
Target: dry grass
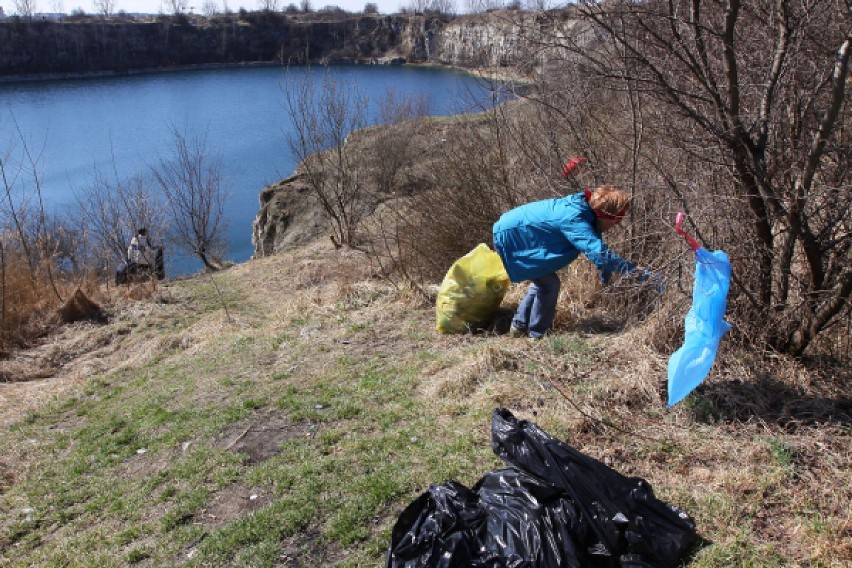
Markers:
point(759, 454)
point(37, 298)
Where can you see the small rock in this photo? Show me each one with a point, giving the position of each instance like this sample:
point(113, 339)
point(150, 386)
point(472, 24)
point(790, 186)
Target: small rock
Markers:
point(141, 451)
point(185, 446)
point(319, 406)
point(414, 439)
point(252, 497)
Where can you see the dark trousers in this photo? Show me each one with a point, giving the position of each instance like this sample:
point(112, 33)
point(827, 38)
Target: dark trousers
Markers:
point(536, 311)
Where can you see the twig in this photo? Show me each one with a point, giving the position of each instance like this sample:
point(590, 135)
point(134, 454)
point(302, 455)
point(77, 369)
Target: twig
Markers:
point(596, 419)
point(240, 437)
point(42, 222)
point(221, 298)
point(2, 287)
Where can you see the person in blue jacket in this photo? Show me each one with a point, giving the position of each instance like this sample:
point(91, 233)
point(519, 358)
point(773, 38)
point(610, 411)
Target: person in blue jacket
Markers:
point(538, 239)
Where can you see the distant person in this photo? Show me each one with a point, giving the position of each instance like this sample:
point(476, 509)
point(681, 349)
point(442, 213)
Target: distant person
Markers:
point(139, 251)
point(538, 239)
point(144, 258)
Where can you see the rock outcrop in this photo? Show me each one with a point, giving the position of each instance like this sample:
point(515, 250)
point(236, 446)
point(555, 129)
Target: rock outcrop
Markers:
point(92, 46)
point(289, 215)
point(105, 46)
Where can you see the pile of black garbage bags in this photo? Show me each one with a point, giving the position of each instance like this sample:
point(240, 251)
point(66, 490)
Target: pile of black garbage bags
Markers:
point(554, 507)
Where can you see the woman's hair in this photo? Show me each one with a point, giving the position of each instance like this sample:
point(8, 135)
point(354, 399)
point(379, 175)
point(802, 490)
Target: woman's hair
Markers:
point(610, 200)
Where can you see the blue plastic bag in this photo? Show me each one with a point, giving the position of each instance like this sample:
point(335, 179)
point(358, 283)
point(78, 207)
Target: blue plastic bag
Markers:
point(705, 326)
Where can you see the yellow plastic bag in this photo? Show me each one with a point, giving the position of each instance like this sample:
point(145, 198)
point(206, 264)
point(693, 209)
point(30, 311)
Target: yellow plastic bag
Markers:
point(471, 291)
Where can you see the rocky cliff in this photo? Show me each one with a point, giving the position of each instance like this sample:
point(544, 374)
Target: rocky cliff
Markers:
point(121, 46)
point(91, 45)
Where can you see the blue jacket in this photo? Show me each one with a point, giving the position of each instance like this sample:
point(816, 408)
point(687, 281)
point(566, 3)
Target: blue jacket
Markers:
point(539, 238)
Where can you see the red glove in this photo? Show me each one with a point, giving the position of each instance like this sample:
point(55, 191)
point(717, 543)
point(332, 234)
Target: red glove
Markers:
point(572, 164)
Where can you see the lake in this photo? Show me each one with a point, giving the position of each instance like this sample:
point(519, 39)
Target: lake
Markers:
point(120, 126)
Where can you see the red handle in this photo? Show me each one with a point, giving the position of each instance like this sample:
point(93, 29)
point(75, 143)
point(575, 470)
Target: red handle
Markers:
point(678, 222)
point(573, 164)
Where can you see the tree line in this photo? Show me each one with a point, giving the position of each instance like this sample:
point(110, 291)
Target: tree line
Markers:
point(29, 9)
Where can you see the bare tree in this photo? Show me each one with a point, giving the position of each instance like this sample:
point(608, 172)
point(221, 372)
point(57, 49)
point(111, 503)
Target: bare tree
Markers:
point(191, 183)
point(479, 6)
point(27, 211)
point(269, 5)
point(463, 174)
point(26, 8)
point(323, 113)
point(42, 259)
point(209, 8)
point(442, 6)
point(753, 93)
point(416, 6)
point(104, 7)
point(393, 143)
point(14, 209)
point(110, 211)
point(539, 5)
point(178, 7)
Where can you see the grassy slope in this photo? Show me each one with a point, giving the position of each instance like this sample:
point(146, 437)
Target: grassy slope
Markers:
point(293, 427)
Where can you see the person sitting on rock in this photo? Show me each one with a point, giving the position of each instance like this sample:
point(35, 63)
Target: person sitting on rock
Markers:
point(139, 251)
point(145, 256)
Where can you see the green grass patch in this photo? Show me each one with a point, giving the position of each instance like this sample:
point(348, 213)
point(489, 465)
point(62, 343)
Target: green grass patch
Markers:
point(154, 464)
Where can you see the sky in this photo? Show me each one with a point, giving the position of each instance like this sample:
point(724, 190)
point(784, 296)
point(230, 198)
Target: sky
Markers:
point(156, 6)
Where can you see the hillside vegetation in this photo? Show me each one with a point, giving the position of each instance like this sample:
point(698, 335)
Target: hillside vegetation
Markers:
point(285, 411)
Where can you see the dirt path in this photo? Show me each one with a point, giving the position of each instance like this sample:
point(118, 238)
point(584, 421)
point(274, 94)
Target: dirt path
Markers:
point(282, 286)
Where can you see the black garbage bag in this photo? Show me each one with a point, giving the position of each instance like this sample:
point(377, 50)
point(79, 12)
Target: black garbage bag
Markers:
point(131, 271)
point(555, 507)
point(126, 272)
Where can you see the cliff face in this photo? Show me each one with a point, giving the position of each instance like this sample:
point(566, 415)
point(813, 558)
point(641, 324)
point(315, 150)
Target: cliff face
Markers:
point(521, 40)
point(480, 41)
point(289, 215)
point(92, 45)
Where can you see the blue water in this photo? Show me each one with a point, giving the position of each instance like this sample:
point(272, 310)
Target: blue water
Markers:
point(120, 126)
